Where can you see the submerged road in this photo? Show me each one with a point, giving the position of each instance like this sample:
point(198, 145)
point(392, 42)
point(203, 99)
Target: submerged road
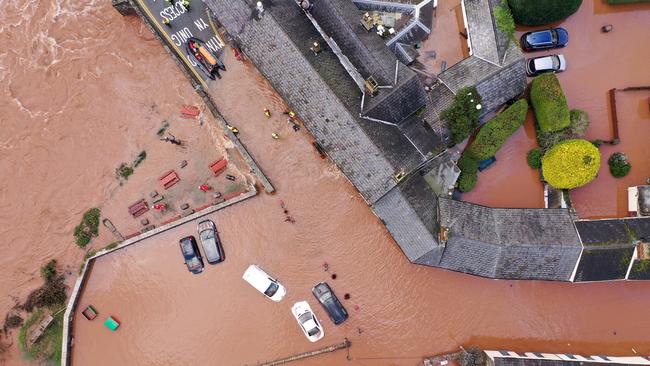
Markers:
point(178, 23)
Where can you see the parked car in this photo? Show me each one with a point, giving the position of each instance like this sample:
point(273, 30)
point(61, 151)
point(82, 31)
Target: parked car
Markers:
point(330, 302)
point(543, 64)
point(191, 254)
point(264, 283)
point(210, 242)
point(307, 321)
point(544, 39)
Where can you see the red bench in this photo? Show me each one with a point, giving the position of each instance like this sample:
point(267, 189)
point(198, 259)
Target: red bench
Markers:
point(169, 179)
point(219, 166)
point(189, 111)
point(138, 208)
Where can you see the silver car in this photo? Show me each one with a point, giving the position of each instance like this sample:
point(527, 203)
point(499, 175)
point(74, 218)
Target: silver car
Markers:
point(210, 242)
point(543, 64)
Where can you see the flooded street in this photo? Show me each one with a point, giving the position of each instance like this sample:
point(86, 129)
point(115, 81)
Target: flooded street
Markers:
point(399, 312)
point(84, 89)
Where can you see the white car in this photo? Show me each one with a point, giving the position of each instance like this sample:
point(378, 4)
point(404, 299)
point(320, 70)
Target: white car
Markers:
point(307, 321)
point(264, 283)
point(539, 65)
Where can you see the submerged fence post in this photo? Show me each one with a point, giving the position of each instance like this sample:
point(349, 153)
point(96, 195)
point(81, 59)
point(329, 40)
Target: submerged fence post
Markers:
point(346, 344)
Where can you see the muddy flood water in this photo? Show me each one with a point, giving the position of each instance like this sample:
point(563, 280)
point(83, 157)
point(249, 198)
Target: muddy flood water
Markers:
point(596, 62)
point(78, 84)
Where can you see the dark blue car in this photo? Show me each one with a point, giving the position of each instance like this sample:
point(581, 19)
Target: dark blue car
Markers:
point(191, 255)
point(330, 302)
point(544, 39)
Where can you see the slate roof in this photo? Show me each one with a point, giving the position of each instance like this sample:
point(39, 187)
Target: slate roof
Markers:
point(644, 200)
point(614, 231)
point(409, 213)
point(482, 38)
point(600, 263)
point(509, 243)
point(341, 20)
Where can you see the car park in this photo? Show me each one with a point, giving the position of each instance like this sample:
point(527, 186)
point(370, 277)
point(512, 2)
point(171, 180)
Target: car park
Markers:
point(540, 65)
point(191, 254)
point(544, 39)
point(264, 283)
point(307, 321)
point(210, 242)
point(324, 294)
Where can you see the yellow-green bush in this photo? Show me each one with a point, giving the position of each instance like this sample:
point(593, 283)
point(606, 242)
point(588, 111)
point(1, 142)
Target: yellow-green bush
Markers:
point(571, 164)
point(549, 103)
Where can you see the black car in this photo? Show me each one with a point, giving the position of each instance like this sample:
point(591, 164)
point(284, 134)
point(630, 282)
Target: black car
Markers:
point(330, 302)
point(545, 39)
point(191, 254)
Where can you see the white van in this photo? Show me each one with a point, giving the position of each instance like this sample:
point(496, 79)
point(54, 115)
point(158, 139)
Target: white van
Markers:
point(264, 283)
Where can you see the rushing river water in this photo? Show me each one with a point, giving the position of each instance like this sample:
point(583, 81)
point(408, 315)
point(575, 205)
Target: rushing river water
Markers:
point(77, 82)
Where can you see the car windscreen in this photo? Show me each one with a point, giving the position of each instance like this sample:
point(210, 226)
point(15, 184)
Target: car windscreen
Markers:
point(313, 331)
point(556, 63)
point(273, 288)
point(209, 244)
point(193, 263)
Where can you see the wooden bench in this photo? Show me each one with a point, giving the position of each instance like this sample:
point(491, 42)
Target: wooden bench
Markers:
point(138, 208)
point(169, 179)
point(219, 166)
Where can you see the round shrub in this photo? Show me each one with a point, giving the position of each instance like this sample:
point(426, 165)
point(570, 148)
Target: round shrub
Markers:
point(467, 181)
point(539, 12)
point(619, 165)
point(571, 164)
point(535, 158)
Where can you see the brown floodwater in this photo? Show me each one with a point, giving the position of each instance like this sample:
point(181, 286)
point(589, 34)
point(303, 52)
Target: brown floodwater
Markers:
point(82, 90)
point(78, 86)
point(596, 62)
point(399, 312)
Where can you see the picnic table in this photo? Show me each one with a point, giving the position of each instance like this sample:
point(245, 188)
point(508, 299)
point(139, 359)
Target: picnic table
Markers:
point(138, 208)
point(219, 166)
point(169, 179)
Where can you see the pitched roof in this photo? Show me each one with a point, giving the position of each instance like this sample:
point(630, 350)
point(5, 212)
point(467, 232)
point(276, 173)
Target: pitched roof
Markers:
point(509, 243)
point(409, 213)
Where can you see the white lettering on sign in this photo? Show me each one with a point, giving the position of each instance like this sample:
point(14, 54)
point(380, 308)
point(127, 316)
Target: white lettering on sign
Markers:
point(200, 23)
point(174, 11)
point(191, 59)
point(182, 36)
point(214, 44)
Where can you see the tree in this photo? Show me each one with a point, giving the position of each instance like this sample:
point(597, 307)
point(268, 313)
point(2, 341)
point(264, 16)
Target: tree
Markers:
point(540, 12)
point(463, 115)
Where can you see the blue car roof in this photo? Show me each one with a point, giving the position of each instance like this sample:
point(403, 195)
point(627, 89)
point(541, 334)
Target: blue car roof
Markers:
point(541, 37)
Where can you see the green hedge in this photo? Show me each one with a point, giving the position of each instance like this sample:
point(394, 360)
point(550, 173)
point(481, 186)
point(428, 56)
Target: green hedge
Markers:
point(488, 141)
point(497, 130)
point(539, 12)
point(571, 164)
point(462, 117)
point(549, 103)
